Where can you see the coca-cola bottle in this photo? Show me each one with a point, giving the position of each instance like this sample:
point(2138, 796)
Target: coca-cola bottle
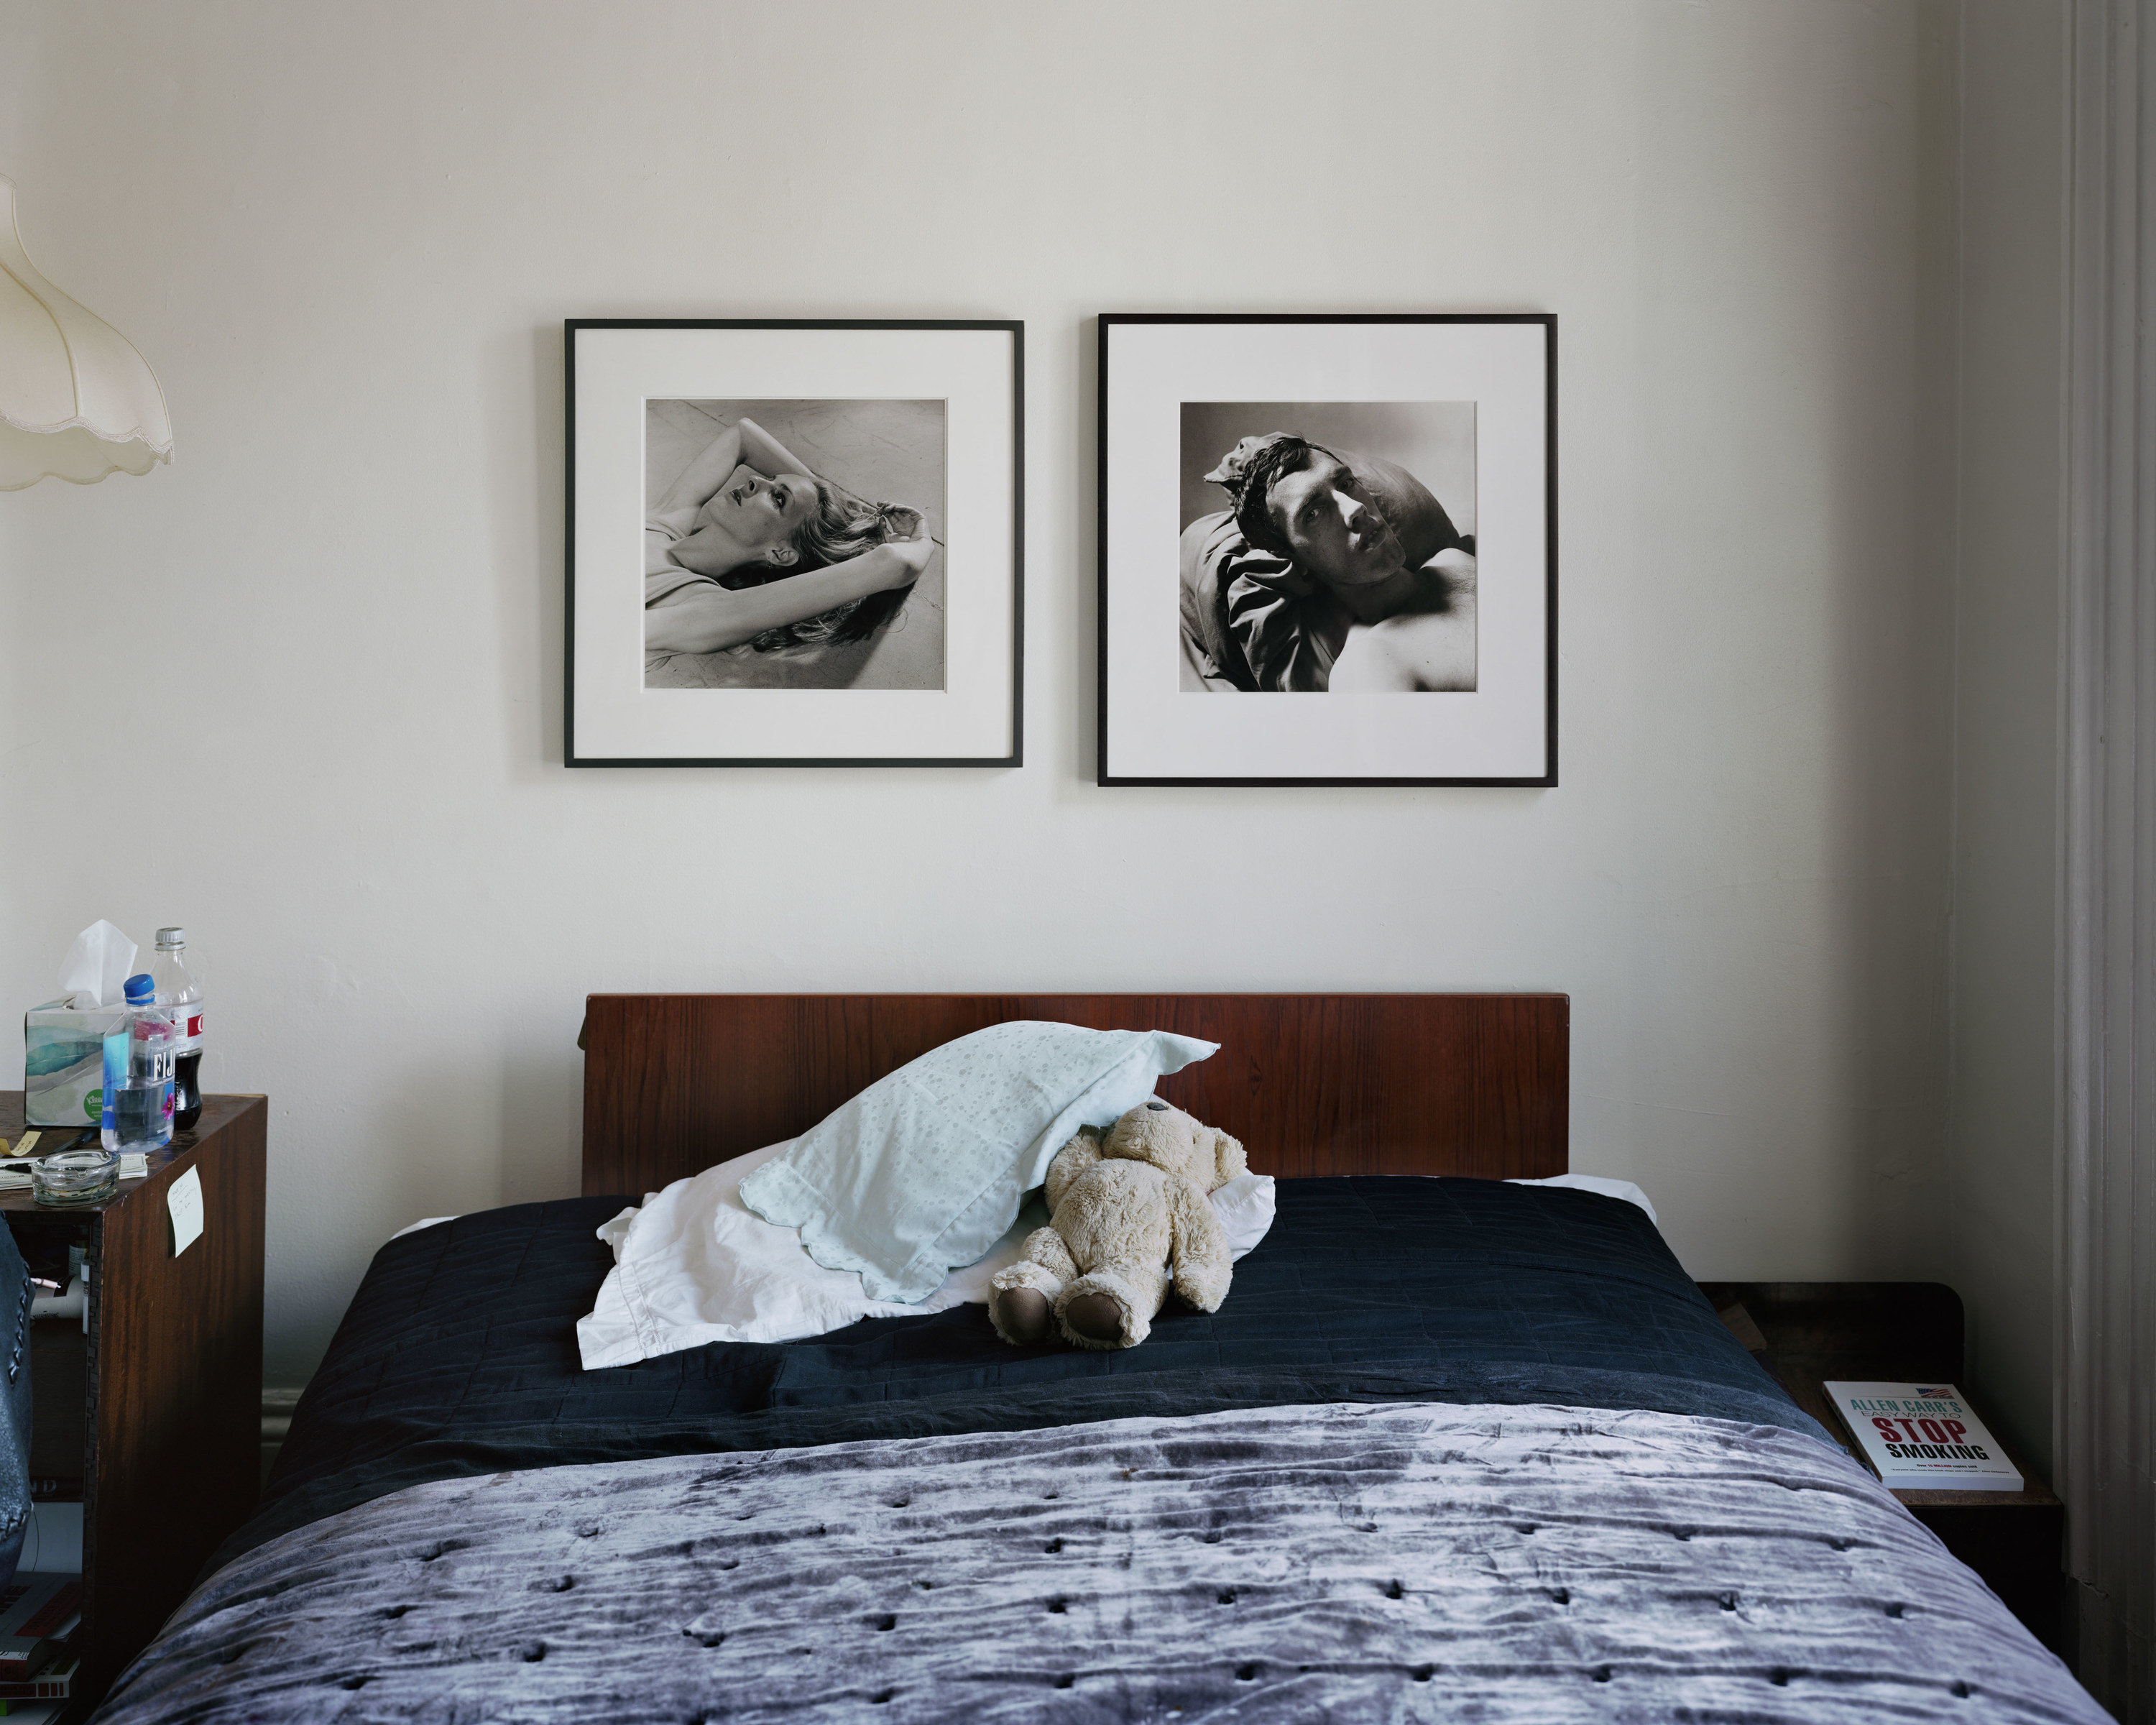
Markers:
point(178, 990)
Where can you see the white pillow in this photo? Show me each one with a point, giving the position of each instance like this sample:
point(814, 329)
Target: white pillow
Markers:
point(694, 1264)
point(924, 1169)
point(1245, 1205)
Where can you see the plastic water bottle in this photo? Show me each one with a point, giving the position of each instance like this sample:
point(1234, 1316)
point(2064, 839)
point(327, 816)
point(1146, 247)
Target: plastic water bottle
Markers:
point(137, 1113)
point(180, 993)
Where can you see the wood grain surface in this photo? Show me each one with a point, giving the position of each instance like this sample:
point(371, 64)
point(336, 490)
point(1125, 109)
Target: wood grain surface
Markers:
point(177, 1391)
point(1313, 1084)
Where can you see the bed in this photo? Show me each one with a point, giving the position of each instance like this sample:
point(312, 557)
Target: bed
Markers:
point(1453, 1448)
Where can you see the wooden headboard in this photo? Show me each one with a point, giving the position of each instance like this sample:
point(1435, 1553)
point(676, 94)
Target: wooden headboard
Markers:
point(1313, 1084)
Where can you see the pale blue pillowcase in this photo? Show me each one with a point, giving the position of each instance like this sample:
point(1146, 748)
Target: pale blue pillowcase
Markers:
point(923, 1171)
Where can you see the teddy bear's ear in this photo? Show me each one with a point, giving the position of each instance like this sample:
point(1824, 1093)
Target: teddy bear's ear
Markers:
point(1228, 1158)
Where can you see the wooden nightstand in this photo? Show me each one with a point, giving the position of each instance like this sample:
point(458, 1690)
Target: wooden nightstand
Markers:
point(152, 1418)
point(1909, 1332)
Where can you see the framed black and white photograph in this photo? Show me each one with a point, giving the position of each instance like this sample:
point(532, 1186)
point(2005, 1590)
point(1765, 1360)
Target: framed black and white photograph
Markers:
point(794, 543)
point(1358, 507)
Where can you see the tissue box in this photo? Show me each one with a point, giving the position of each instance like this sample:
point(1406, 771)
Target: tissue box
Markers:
point(63, 1063)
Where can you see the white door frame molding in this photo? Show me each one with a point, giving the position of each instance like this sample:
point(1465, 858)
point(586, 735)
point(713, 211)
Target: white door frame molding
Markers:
point(2106, 1267)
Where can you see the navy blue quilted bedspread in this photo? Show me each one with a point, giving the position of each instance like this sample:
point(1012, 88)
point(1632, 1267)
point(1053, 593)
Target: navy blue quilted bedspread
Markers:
point(459, 1354)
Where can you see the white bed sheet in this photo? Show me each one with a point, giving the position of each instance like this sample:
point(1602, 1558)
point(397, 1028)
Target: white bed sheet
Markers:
point(1597, 1182)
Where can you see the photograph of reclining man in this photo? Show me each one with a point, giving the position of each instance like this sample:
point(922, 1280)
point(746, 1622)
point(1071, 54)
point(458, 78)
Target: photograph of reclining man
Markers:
point(1328, 547)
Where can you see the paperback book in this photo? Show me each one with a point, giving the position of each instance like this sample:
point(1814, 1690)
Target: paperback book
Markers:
point(1923, 1437)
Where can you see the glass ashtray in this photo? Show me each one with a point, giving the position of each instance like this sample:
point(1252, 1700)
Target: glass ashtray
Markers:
point(75, 1176)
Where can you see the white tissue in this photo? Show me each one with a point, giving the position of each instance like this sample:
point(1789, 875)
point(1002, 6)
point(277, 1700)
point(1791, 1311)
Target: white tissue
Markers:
point(95, 971)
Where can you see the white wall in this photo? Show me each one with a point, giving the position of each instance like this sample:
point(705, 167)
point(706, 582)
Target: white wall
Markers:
point(2006, 726)
point(302, 690)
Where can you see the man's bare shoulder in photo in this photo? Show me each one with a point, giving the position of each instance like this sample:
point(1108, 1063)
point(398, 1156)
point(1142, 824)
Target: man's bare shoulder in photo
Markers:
point(1427, 647)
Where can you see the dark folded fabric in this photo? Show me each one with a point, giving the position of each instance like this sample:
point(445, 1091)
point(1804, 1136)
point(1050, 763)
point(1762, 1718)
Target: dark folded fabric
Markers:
point(459, 1353)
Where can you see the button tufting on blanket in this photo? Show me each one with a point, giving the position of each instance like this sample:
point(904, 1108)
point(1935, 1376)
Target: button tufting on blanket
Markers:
point(1348, 1542)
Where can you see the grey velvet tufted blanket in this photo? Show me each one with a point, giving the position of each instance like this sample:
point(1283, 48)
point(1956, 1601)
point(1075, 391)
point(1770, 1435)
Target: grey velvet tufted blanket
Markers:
point(1343, 1562)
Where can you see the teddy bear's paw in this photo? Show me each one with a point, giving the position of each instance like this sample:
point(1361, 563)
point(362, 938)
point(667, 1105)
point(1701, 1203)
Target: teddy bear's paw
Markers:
point(1097, 1312)
point(1021, 1303)
point(1096, 1317)
point(1022, 1315)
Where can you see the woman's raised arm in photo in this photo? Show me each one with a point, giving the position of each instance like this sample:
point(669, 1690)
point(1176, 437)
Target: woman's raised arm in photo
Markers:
point(765, 453)
point(914, 552)
point(709, 618)
point(742, 444)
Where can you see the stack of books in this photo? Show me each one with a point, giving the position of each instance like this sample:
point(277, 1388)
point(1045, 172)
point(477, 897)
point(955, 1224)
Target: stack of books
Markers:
point(39, 1611)
point(43, 1697)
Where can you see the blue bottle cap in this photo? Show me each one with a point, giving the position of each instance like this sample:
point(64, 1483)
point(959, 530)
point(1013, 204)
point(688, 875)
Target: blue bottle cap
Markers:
point(141, 989)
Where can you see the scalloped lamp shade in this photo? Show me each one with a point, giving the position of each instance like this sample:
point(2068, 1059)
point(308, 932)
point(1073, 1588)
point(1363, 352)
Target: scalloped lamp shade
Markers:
point(77, 402)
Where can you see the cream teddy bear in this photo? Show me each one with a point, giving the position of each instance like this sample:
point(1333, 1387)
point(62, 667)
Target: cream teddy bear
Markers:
point(1124, 1210)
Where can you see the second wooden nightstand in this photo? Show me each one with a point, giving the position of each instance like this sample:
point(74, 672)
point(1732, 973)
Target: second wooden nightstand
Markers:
point(1911, 1332)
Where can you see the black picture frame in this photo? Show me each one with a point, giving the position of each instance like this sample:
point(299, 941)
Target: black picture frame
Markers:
point(1009, 756)
point(1117, 569)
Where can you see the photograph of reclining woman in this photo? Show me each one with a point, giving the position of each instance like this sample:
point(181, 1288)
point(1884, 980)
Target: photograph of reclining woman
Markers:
point(1328, 547)
point(794, 544)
